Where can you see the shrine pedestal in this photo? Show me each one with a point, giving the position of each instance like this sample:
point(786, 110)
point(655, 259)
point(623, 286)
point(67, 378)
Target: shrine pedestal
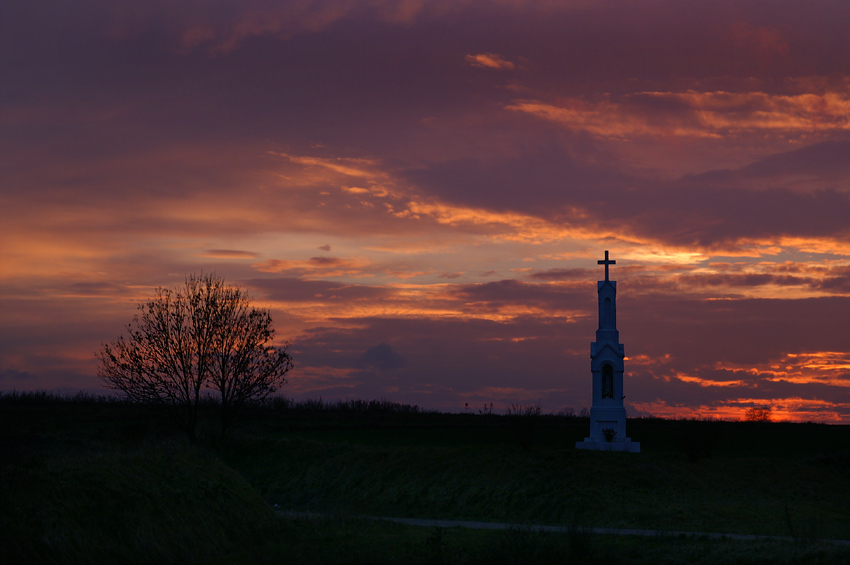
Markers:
point(594, 444)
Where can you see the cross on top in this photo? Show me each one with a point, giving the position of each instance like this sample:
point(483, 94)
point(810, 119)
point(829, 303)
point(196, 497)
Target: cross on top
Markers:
point(606, 262)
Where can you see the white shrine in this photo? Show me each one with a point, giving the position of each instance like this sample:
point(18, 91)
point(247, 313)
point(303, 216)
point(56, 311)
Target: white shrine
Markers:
point(607, 415)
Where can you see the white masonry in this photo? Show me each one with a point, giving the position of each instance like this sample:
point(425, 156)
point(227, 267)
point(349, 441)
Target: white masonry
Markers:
point(607, 415)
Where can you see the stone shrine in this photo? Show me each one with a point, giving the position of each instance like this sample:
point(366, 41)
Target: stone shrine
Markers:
point(607, 414)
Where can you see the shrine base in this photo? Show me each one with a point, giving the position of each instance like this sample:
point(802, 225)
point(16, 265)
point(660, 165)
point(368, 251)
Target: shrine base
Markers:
point(594, 444)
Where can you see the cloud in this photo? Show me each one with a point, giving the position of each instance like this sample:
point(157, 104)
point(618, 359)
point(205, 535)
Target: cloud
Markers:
point(315, 267)
point(562, 274)
point(294, 290)
point(818, 166)
point(12, 376)
point(723, 213)
point(517, 298)
point(490, 61)
point(381, 357)
point(763, 41)
point(350, 167)
point(228, 254)
point(835, 280)
point(697, 114)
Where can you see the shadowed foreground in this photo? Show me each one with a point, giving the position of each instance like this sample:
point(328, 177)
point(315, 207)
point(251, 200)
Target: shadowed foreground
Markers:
point(85, 480)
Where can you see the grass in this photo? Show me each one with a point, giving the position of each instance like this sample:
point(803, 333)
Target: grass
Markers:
point(85, 479)
point(500, 484)
point(767, 479)
point(168, 503)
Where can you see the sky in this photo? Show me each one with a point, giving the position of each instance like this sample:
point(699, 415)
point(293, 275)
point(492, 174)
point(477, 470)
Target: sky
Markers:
point(419, 191)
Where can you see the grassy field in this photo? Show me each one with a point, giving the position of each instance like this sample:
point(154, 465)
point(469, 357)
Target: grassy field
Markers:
point(85, 480)
point(753, 478)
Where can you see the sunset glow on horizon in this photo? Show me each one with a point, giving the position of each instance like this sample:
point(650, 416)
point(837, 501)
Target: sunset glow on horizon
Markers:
point(420, 191)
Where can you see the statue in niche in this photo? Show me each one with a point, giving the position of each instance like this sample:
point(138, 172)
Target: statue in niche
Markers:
point(608, 381)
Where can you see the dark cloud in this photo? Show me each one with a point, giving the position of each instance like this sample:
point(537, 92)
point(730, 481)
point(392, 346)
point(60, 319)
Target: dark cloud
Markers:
point(229, 254)
point(838, 285)
point(92, 288)
point(507, 293)
point(381, 357)
point(741, 280)
point(827, 161)
point(460, 355)
point(750, 332)
point(545, 181)
point(12, 376)
point(298, 290)
point(325, 261)
point(562, 274)
point(715, 218)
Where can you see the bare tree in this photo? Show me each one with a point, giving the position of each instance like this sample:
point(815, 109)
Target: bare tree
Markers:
point(758, 414)
point(202, 334)
point(245, 368)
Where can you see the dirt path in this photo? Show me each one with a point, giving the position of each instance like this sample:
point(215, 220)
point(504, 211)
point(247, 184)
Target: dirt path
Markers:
point(429, 523)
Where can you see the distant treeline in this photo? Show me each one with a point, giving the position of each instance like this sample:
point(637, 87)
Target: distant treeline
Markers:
point(42, 397)
point(376, 406)
point(384, 406)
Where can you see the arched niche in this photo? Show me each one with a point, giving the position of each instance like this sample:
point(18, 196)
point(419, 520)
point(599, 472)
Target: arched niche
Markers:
point(607, 380)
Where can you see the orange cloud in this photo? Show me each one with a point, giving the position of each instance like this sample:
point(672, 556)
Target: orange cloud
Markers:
point(490, 61)
point(604, 119)
point(709, 383)
point(767, 279)
point(507, 226)
point(826, 367)
point(316, 267)
point(697, 114)
point(782, 409)
point(344, 166)
point(830, 368)
point(228, 254)
point(433, 301)
point(378, 189)
point(760, 111)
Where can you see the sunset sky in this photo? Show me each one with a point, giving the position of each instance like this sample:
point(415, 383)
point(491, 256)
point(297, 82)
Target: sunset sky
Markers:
point(419, 190)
